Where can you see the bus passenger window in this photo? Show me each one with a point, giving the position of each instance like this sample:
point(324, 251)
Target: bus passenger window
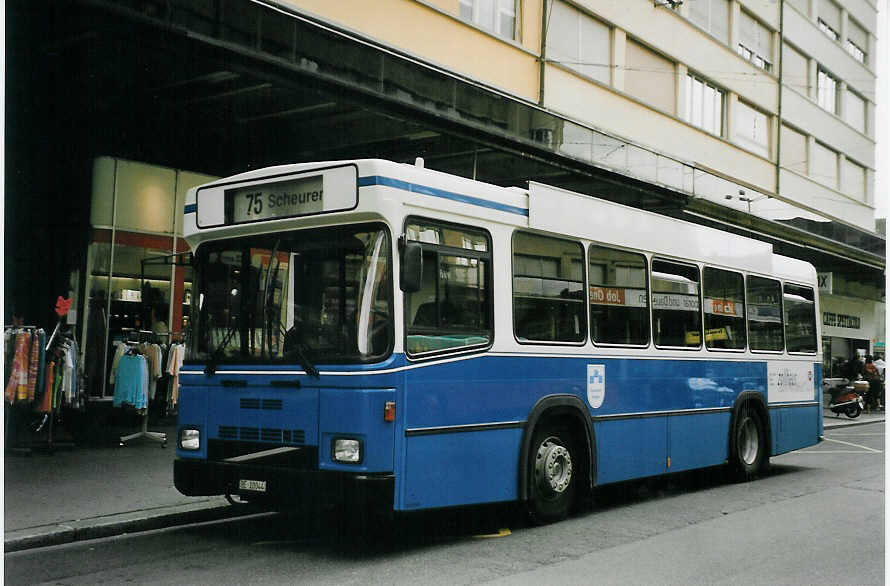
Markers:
point(765, 314)
point(619, 297)
point(800, 319)
point(676, 314)
point(452, 309)
point(724, 309)
point(548, 289)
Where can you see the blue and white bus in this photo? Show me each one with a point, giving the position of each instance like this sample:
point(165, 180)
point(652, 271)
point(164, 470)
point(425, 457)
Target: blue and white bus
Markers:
point(384, 335)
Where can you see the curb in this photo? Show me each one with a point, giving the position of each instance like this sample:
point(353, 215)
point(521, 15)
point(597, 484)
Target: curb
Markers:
point(118, 524)
point(850, 423)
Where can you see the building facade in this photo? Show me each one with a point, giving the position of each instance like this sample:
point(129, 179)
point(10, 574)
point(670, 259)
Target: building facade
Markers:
point(753, 116)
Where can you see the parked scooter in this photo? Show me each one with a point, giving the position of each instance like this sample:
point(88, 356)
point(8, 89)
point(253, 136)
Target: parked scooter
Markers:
point(847, 398)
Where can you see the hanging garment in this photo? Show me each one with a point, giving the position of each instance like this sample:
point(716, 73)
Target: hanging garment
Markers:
point(132, 381)
point(121, 348)
point(47, 399)
point(41, 365)
point(174, 363)
point(33, 363)
point(18, 379)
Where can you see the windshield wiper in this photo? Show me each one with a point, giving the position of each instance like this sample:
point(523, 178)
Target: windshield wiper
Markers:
point(210, 367)
point(304, 360)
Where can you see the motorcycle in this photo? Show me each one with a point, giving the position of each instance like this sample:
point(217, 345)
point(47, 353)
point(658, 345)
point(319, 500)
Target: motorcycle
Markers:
point(847, 398)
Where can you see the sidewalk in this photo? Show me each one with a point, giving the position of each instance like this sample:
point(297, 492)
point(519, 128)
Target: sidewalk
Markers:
point(87, 493)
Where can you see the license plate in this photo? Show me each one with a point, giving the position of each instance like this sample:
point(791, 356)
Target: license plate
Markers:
point(254, 485)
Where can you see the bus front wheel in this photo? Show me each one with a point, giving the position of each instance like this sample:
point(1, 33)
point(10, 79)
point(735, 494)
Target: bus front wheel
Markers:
point(750, 449)
point(554, 471)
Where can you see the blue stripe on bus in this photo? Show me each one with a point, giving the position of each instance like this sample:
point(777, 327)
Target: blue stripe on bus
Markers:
point(434, 192)
point(424, 190)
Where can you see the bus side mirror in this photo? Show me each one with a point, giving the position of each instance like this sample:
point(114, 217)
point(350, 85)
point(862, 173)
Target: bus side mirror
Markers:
point(411, 269)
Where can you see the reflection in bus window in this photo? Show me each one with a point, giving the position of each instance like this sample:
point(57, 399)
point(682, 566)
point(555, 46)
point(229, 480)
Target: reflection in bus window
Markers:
point(676, 315)
point(452, 310)
point(765, 314)
point(548, 289)
point(800, 319)
point(724, 309)
point(619, 307)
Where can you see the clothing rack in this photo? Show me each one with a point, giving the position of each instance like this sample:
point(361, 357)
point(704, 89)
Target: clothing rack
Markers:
point(155, 436)
point(34, 424)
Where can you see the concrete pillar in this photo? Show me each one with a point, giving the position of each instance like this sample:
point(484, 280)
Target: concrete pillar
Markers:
point(870, 118)
point(843, 32)
point(842, 99)
point(813, 81)
point(814, 10)
point(682, 71)
point(811, 148)
point(732, 99)
point(619, 57)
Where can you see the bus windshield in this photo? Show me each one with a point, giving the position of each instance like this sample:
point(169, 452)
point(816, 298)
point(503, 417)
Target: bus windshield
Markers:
point(309, 296)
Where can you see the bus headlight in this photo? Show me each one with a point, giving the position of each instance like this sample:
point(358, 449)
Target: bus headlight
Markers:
point(189, 439)
point(347, 450)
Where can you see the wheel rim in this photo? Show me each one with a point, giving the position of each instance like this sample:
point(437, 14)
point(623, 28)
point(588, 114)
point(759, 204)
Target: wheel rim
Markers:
point(749, 441)
point(553, 467)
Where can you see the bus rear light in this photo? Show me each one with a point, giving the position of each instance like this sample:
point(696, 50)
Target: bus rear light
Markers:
point(389, 411)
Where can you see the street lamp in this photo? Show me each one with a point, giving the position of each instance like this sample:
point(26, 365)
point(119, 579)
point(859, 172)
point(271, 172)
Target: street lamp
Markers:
point(742, 197)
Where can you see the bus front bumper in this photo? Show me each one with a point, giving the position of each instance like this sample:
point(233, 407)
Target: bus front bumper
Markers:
point(284, 488)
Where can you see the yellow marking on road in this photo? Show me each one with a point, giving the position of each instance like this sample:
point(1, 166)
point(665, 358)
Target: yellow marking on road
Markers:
point(866, 448)
point(500, 533)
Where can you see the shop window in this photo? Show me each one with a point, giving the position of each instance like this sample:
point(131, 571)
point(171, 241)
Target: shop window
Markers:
point(548, 289)
point(676, 314)
point(764, 308)
point(724, 309)
point(452, 310)
point(800, 319)
point(619, 307)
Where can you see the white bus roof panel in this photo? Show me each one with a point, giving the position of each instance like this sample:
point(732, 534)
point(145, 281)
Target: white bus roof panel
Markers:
point(564, 212)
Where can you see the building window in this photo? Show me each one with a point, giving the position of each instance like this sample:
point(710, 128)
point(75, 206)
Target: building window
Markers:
point(857, 40)
point(619, 308)
point(795, 69)
point(854, 112)
point(854, 180)
point(497, 16)
point(752, 129)
point(579, 42)
point(712, 16)
point(829, 18)
point(650, 77)
point(676, 317)
point(826, 86)
point(704, 105)
point(794, 150)
point(826, 28)
point(825, 165)
point(548, 289)
point(452, 310)
point(755, 42)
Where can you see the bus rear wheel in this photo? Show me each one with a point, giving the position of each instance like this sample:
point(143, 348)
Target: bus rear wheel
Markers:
point(554, 474)
point(749, 445)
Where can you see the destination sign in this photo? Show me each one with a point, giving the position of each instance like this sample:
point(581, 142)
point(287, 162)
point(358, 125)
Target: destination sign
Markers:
point(283, 199)
point(263, 198)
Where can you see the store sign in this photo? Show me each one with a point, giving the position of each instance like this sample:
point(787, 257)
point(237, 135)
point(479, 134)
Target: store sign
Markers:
point(839, 320)
point(723, 307)
point(282, 196)
point(825, 283)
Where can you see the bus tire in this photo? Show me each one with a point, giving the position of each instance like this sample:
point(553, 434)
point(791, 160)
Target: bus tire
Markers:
point(554, 468)
point(749, 447)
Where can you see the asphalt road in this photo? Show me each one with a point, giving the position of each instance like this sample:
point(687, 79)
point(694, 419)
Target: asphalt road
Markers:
point(818, 518)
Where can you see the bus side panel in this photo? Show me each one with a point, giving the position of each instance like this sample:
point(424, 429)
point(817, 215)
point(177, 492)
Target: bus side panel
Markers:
point(698, 441)
point(630, 448)
point(794, 428)
point(461, 468)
